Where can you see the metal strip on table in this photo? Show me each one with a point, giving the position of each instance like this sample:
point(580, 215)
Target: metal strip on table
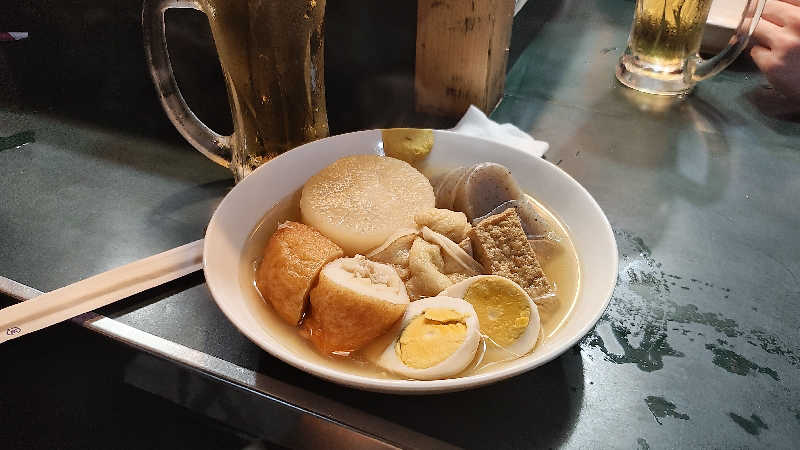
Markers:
point(346, 427)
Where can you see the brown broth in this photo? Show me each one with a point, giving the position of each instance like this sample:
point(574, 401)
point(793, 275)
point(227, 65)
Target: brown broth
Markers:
point(560, 266)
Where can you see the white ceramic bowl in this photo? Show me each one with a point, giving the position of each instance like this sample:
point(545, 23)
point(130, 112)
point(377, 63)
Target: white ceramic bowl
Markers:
point(243, 208)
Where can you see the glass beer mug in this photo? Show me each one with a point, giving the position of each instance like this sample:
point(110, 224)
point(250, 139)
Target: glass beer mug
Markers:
point(271, 52)
point(662, 53)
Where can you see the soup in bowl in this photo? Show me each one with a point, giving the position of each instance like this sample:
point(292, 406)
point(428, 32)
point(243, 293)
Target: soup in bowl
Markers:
point(472, 264)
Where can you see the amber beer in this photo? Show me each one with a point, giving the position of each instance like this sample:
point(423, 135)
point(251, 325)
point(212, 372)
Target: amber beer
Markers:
point(668, 32)
point(661, 56)
point(271, 53)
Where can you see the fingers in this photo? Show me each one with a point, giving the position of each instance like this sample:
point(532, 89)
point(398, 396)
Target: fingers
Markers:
point(767, 34)
point(780, 71)
point(777, 49)
point(774, 12)
point(783, 13)
point(764, 58)
point(791, 2)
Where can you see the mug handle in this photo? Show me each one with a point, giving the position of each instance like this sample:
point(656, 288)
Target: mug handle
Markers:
point(707, 68)
point(216, 146)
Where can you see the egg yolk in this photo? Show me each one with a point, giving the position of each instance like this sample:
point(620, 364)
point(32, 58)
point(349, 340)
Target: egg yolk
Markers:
point(503, 311)
point(431, 337)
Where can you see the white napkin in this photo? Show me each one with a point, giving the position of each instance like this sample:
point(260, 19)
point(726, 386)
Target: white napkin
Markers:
point(475, 123)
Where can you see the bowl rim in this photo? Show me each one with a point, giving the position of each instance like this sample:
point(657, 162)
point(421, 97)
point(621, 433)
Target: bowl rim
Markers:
point(400, 386)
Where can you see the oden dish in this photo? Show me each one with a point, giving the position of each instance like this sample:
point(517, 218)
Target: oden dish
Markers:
point(241, 227)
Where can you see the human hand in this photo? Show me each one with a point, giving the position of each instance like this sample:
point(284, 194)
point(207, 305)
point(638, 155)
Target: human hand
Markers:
point(777, 49)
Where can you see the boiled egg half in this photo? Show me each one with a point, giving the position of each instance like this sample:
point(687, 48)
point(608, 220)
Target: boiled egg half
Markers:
point(509, 320)
point(438, 338)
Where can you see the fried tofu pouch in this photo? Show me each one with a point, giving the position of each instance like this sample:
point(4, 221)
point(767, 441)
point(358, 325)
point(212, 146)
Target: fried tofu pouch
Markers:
point(355, 301)
point(292, 260)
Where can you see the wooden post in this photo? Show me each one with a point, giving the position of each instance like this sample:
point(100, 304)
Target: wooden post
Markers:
point(462, 50)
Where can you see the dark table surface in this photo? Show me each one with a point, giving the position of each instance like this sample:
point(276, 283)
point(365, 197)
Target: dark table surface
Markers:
point(699, 346)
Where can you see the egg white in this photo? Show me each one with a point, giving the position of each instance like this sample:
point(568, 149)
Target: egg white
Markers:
point(525, 342)
point(456, 362)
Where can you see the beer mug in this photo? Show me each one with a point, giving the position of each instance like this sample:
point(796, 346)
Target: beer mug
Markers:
point(662, 53)
point(271, 52)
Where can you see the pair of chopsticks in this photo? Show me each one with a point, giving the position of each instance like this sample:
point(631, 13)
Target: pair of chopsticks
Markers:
point(99, 290)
